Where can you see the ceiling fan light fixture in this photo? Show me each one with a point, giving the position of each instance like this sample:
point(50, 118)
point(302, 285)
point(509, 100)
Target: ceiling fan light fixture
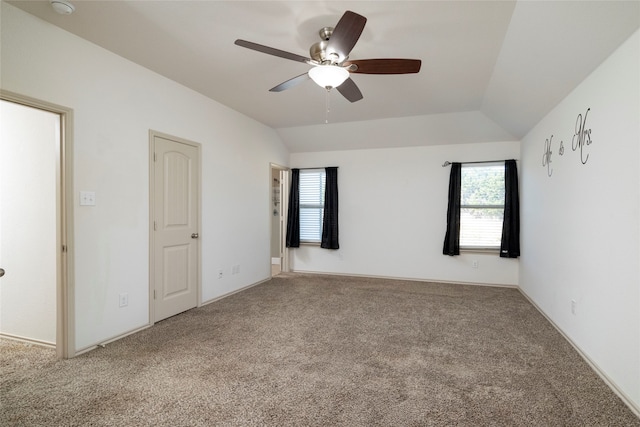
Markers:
point(328, 76)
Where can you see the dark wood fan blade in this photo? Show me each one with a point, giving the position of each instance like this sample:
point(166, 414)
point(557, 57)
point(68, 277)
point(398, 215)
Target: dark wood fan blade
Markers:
point(350, 90)
point(385, 66)
point(271, 51)
point(290, 83)
point(345, 34)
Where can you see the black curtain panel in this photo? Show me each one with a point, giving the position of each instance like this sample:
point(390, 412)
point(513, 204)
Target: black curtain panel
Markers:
point(293, 219)
point(452, 237)
point(330, 219)
point(510, 245)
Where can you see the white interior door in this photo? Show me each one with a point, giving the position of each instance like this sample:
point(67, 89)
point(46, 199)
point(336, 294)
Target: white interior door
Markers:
point(29, 209)
point(175, 207)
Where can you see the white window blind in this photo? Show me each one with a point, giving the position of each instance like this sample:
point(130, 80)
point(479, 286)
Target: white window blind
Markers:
point(481, 206)
point(311, 186)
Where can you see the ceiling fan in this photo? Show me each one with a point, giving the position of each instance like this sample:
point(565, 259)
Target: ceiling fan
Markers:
point(330, 59)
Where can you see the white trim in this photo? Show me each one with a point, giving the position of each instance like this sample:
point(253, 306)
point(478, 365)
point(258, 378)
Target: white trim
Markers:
point(120, 336)
point(612, 385)
point(112, 339)
point(409, 279)
point(284, 207)
point(228, 294)
point(65, 295)
point(28, 340)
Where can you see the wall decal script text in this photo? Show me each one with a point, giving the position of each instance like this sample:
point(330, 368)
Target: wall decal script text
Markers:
point(582, 136)
point(546, 157)
point(580, 140)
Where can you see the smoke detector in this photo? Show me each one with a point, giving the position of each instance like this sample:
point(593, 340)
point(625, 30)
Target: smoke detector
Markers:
point(63, 7)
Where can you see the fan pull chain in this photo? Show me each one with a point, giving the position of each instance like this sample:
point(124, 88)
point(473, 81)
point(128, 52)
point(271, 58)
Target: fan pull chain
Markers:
point(328, 105)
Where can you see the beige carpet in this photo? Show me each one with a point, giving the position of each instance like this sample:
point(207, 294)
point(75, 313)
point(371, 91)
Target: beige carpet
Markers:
point(322, 351)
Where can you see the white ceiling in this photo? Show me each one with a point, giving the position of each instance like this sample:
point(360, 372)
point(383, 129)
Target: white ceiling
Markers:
point(498, 66)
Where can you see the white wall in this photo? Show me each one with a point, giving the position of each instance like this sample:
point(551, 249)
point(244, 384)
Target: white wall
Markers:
point(115, 103)
point(29, 147)
point(392, 213)
point(580, 228)
point(469, 127)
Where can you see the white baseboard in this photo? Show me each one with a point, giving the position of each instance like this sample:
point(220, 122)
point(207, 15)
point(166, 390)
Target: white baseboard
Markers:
point(28, 340)
point(110, 340)
point(608, 381)
point(410, 279)
point(228, 294)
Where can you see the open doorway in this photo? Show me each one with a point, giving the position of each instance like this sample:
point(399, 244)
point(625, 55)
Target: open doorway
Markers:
point(34, 214)
point(279, 178)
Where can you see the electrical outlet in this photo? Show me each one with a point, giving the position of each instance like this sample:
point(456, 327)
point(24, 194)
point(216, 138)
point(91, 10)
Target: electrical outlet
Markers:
point(474, 263)
point(235, 269)
point(220, 274)
point(124, 300)
point(573, 307)
point(87, 198)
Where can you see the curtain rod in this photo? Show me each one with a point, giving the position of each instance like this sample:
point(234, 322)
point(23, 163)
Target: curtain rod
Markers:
point(448, 163)
point(320, 167)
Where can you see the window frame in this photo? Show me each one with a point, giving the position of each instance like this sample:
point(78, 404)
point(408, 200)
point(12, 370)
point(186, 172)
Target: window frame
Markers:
point(315, 206)
point(480, 248)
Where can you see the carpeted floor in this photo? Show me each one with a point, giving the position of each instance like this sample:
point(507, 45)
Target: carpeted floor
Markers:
point(304, 350)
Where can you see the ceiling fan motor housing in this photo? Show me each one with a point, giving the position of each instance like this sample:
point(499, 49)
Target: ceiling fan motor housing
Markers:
point(318, 51)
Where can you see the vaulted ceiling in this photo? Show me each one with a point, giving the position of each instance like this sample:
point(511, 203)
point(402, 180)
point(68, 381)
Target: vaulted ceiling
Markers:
point(495, 66)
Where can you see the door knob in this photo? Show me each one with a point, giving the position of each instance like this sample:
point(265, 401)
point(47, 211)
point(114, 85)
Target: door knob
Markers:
point(1, 272)
point(194, 236)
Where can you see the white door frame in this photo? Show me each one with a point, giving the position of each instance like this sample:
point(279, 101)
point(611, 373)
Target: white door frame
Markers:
point(152, 164)
point(284, 209)
point(65, 297)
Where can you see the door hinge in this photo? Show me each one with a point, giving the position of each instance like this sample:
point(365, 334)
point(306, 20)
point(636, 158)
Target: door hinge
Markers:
point(154, 294)
point(64, 248)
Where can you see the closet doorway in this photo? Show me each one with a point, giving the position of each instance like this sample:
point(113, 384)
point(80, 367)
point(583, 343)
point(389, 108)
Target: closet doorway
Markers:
point(34, 254)
point(278, 185)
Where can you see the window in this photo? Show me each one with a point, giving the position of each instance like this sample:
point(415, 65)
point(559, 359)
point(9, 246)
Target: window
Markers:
point(481, 205)
point(311, 188)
